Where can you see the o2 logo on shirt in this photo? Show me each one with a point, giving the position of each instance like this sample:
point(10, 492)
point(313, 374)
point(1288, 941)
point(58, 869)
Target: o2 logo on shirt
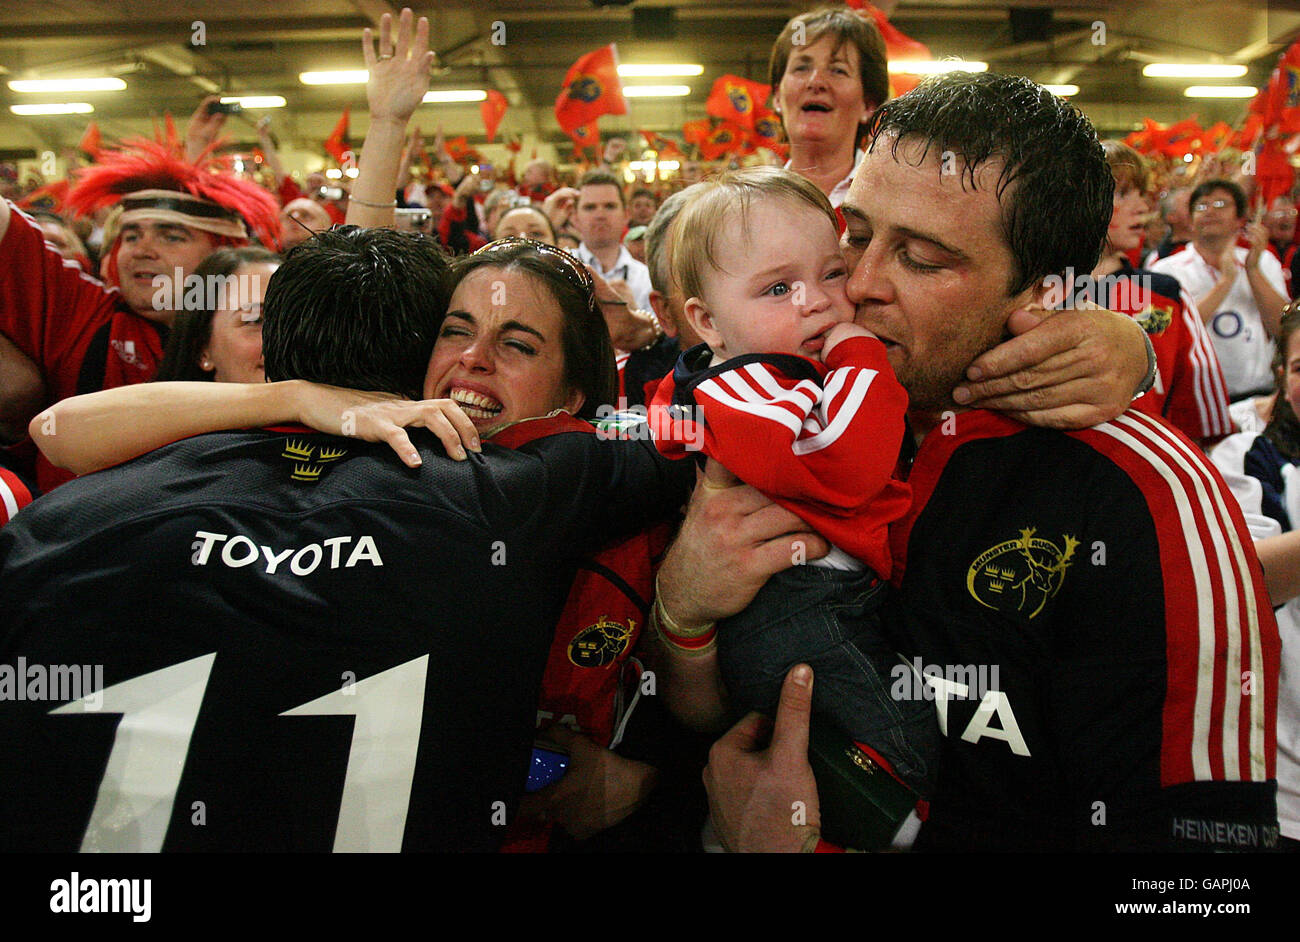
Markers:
point(1228, 324)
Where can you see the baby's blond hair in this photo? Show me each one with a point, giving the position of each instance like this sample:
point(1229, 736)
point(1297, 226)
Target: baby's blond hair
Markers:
point(704, 219)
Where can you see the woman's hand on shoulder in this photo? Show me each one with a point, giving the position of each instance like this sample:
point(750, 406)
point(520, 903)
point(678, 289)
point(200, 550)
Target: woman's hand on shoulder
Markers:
point(383, 417)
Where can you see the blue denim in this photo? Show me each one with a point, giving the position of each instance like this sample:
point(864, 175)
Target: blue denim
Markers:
point(830, 620)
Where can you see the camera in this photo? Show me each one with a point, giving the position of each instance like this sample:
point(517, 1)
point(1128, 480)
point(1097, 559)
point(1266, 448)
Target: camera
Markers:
point(228, 107)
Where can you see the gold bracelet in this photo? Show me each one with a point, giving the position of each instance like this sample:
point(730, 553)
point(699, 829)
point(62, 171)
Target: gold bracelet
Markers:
point(688, 641)
point(357, 199)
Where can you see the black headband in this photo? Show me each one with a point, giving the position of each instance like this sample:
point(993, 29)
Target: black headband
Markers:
point(187, 207)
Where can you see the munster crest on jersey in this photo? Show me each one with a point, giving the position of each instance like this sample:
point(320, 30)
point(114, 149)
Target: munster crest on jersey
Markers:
point(1019, 576)
point(598, 645)
point(1156, 318)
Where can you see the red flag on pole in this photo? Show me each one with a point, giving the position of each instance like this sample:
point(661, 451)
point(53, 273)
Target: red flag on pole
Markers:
point(697, 132)
point(898, 46)
point(738, 100)
point(591, 88)
point(90, 143)
point(726, 138)
point(336, 145)
point(665, 147)
point(457, 148)
point(492, 109)
point(767, 133)
point(585, 136)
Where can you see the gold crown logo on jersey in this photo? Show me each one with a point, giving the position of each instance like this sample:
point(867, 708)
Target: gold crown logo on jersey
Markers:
point(600, 644)
point(1021, 575)
point(308, 464)
point(1155, 320)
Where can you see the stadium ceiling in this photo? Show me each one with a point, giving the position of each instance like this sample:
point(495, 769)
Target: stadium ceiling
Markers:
point(255, 47)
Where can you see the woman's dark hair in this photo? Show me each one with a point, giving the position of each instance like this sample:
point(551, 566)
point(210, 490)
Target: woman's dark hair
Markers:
point(1283, 428)
point(588, 352)
point(192, 329)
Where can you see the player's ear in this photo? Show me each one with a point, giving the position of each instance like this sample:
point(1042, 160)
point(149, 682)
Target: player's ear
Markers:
point(701, 321)
point(205, 361)
point(574, 402)
point(659, 304)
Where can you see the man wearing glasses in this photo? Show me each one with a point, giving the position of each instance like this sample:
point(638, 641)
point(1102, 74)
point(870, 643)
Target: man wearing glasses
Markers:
point(1239, 292)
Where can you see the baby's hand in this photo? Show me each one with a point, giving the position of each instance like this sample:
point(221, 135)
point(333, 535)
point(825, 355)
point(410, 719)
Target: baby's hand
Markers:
point(841, 332)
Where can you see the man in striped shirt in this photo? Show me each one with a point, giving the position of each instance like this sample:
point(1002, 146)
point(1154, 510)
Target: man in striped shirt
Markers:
point(1085, 608)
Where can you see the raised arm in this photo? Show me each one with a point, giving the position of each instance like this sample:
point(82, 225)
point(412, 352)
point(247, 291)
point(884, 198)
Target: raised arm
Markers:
point(399, 77)
point(22, 388)
point(272, 154)
point(98, 430)
point(1266, 284)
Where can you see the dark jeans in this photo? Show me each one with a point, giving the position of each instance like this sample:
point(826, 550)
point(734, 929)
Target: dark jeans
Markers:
point(830, 620)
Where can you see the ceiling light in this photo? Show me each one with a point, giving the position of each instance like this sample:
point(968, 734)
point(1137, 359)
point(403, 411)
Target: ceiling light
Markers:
point(67, 107)
point(353, 77)
point(455, 94)
point(1062, 91)
point(1192, 70)
point(68, 85)
point(640, 165)
point(655, 91)
point(1220, 91)
point(256, 101)
point(935, 66)
point(659, 71)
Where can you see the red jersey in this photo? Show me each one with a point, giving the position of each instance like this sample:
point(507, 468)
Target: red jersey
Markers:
point(14, 495)
point(80, 333)
point(821, 440)
point(1189, 391)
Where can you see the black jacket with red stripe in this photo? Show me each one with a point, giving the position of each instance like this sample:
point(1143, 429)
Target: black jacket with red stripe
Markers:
point(1092, 617)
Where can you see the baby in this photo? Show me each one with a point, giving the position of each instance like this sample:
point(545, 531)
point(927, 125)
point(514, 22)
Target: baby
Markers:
point(799, 402)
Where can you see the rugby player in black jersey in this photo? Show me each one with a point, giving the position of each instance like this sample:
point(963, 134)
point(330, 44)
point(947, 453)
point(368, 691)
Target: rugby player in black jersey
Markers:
point(294, 641)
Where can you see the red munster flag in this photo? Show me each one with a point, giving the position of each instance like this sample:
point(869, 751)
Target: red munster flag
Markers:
point(897, 46)
point(697, 132)
point(1283, 90)
point(585, 136)
point(457, 148)
point(90, 143)
point(336, 145)
point(1273, 174)
point(767, 133)
point(738, 100)
point(492, 109)
point(591, 88)
point(726, 138)
point(665, 147)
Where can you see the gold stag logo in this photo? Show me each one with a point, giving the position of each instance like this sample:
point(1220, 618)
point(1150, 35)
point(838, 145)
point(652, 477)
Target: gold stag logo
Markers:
point(1020, 575)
